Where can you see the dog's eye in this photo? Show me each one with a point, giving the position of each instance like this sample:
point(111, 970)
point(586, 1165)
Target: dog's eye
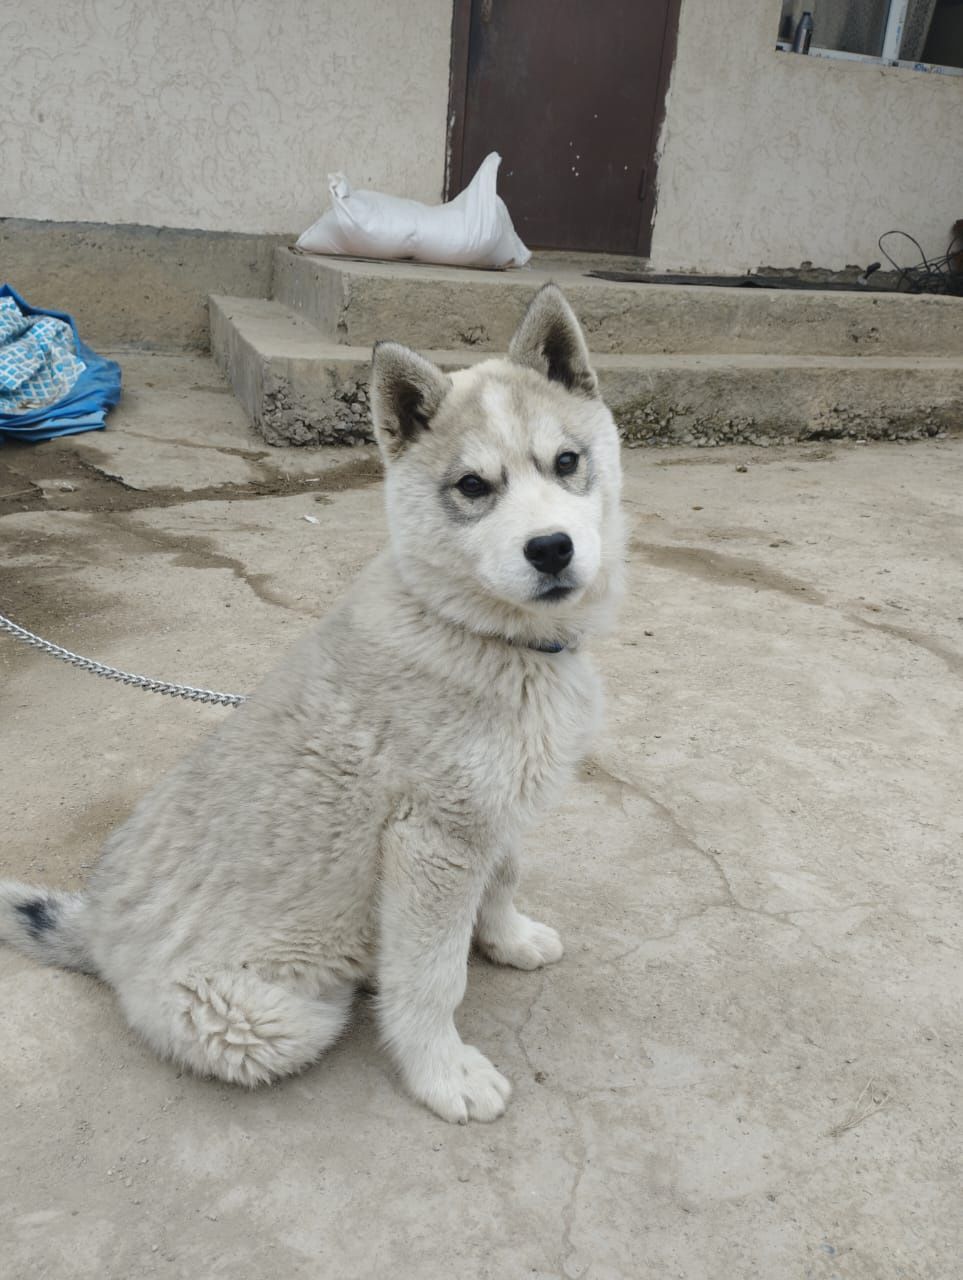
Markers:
point(566, 463)
point(473, 486)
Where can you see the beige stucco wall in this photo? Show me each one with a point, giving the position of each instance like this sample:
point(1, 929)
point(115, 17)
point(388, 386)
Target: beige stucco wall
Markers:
point(771, 159)
point(225, 115)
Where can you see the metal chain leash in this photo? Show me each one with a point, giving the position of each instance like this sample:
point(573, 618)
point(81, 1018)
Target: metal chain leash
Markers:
point(146, 683)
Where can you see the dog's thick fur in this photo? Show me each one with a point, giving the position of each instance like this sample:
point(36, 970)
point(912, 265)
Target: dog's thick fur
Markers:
point(357, 820)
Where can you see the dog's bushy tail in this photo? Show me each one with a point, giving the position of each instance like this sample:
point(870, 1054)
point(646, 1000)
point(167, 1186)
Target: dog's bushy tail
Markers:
point(47, 924)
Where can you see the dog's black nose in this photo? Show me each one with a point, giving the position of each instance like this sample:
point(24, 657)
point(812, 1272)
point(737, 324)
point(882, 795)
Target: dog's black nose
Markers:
point(550, 553)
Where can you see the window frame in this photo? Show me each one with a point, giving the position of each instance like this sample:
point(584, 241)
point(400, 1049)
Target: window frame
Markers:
point(889, 57)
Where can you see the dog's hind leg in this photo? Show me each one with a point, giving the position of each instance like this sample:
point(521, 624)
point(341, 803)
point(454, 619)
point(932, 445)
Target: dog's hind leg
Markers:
point(234, 1025)
point(504, 934)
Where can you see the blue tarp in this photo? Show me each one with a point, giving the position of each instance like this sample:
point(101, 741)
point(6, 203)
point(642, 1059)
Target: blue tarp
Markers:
point(82, 408)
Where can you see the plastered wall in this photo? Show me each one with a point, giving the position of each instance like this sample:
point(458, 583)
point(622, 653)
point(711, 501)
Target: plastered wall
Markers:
point(771, 159)
point(227, 115)
point(224, 115)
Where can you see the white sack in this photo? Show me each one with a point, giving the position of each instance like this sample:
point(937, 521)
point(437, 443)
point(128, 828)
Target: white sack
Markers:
point(473, 230)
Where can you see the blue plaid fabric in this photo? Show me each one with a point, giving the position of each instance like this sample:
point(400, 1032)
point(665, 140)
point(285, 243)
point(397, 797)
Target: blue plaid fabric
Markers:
point(51, 382)
point(38, 359)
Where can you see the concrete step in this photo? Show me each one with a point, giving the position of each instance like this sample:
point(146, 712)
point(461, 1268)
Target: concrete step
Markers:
point(299, 387)
point(358, 303)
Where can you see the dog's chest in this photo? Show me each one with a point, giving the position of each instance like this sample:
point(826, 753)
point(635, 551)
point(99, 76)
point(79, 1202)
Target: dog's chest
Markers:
point(547, 723)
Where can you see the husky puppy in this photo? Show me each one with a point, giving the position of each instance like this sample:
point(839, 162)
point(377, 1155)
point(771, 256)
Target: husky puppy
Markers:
point(356, 822)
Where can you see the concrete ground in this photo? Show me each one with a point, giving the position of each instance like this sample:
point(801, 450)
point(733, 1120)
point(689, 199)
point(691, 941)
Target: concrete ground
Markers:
point(748, 1063)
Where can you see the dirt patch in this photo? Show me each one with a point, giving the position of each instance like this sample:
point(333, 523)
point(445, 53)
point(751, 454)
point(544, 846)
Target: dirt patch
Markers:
point(722, 457)
point(720, 568)
point(40, 587)
point(715, 566)
point(952, 659)
point(198, 551)
point(82, 486)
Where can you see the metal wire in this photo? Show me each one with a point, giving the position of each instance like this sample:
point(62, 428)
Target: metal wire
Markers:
point(146, 683)
point(929, 275)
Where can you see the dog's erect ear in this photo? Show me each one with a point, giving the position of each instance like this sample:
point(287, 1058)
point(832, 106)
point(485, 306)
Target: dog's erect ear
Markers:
point(406, 393)
point(550, 340)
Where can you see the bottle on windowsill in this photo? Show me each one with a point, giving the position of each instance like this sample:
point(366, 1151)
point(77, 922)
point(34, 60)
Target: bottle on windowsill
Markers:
point(804, 34)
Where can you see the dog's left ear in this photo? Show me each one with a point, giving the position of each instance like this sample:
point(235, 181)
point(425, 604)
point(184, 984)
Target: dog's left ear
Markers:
point(550, 340)
point(406, 392)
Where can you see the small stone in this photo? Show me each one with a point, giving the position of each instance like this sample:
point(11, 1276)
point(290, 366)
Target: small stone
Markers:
point(742, 468)
point(463, 1177)
point(648, 633)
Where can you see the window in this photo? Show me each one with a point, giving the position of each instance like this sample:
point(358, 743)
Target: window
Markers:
point(923, 34)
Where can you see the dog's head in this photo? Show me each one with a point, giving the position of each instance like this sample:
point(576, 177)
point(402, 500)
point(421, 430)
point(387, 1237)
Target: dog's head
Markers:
point(503, 481)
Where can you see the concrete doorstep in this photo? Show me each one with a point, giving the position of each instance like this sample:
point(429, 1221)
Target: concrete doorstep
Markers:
point(677, 364)
point(357, 303)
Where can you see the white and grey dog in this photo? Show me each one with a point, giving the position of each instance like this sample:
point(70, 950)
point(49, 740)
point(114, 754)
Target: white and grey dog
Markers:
point(357, 820)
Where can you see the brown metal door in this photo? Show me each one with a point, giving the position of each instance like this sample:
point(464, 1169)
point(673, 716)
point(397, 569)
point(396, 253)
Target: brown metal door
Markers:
point(571, 93)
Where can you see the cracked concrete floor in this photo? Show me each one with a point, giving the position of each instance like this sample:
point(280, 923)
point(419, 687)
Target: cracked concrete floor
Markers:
point(748, 1064)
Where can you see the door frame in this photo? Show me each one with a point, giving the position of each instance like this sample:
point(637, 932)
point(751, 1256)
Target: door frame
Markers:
point(458, 97)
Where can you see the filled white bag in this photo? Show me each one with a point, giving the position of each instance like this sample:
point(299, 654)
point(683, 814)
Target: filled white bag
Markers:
point(473, 230)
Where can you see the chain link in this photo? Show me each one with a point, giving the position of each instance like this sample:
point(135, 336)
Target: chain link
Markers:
point(146, 683)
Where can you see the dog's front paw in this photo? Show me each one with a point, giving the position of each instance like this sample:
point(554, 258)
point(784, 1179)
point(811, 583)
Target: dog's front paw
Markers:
point(460, 1085)
point(521, 943)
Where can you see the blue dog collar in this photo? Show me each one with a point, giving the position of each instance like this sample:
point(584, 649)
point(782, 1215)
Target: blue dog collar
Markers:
point(554, 646)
